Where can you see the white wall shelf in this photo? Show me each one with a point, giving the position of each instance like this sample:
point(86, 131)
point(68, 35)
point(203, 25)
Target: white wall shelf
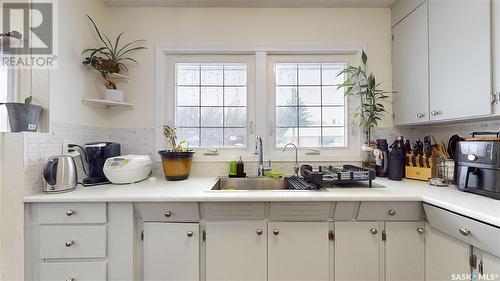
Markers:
point(106, 103)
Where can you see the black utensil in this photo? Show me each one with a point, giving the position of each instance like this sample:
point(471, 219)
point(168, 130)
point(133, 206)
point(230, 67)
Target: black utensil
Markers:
point(452, 145)
point(427, 150)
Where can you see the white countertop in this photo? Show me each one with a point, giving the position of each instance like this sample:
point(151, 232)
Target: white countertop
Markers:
point(197, 189)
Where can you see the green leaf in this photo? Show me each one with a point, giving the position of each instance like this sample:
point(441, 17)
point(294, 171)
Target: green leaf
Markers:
point(28, 100)
point(364, 57)
point(98, 32)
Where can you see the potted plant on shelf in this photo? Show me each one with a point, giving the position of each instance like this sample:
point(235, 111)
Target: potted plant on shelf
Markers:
point(23, 117)
point(361, 84)
point(109, 60)
point(176, 161)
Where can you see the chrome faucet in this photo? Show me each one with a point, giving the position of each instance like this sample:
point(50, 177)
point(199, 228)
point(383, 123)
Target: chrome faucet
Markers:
point(259, 151)
point(296, 167)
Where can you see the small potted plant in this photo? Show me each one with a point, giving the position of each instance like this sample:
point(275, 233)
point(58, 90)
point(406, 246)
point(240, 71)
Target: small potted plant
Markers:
point(364, 86)
point(108, 59)
point(176, 161)
point(23, 117)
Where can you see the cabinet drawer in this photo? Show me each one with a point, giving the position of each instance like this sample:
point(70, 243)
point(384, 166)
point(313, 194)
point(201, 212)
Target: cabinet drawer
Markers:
point(390, 211)
point(345, 211)
point(168, 211)
point(70, 212)
point(72, 241)
point(77, 271)
point(475, 233)
point(301, 211)
point(234, 211)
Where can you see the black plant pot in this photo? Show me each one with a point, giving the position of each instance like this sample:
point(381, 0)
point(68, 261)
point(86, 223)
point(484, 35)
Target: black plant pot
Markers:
point(23, 117)
point(176, 165)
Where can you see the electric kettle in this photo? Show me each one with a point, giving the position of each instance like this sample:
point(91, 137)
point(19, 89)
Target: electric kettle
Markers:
point(60, 174)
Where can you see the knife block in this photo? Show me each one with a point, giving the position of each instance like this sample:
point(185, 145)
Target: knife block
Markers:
point(420, 173)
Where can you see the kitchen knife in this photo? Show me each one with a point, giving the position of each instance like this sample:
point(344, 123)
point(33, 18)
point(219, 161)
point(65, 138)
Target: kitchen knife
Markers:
point(427, 150)
point(414, 155)
point(420, 152)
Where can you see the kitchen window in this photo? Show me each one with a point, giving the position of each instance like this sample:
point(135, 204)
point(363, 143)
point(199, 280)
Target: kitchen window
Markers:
point(6, 95)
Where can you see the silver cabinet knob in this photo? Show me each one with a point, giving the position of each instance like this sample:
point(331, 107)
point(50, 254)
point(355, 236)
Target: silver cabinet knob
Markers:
point(392, 213)
point(259, 231)
point(420, 230)
point(374, 231)
point(70, 212)
point(71, 279)
point(420, 115)
point(190, 234)
point(168, 214)
point(472, 157)
point(435, 113)
point(69, 243)
point(464, 231)
point(276, 232)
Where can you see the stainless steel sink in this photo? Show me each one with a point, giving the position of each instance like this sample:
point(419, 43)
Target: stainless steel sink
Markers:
point(252, 184)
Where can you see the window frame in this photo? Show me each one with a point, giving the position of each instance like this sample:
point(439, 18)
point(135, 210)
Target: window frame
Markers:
point(11, 93)
point(259, 123)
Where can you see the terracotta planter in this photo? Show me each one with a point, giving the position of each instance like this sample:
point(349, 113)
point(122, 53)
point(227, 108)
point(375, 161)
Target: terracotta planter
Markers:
point(176, 165)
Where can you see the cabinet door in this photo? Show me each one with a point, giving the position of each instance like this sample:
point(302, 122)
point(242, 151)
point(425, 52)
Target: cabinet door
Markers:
point(171, 251)
point(489, 265)
point(444, 255)
point(496, 51)
point(298, 251)
point(404, 251)
point(357, 251)
point(460, 58)
point(236, 251)
point(410, 68)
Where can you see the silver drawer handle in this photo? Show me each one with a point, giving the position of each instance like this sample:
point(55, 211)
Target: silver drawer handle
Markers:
point(464, 231)
point(374, 231)
point(70, 279)
point(420, 230)
point(70, 212)
point(70, 243)
point(276, 232)
point(420, 115)
point(392, 213)
point(190, 234)
point(259, 231)
point(168, 214)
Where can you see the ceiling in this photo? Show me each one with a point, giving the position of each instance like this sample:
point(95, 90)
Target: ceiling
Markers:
point(255, 3)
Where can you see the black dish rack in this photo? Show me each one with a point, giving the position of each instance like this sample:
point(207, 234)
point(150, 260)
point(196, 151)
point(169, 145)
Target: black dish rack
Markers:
point(327, 176)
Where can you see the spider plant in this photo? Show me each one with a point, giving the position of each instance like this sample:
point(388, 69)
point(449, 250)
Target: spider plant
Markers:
point(110, 57)
point(362, 84)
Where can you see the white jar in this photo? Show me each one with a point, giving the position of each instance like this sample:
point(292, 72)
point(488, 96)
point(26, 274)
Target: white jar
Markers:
point(114, 95)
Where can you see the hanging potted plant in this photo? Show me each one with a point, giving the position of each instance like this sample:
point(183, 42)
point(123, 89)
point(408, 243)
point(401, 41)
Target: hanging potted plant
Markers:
point(176, 161)
point(109, 60)
point(23, 117)
point(361, 84)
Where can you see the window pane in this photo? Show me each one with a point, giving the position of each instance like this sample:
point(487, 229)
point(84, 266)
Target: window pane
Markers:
point(286, 74)
point(330, 72)
point(211, 116)
point(234, 116)
point(235, 96)
point(333, 116)
point(235, 137)
point(310, 116)
point(188, 74)
point(309, 137)
point(286, 96)
point(310, 95)
point(188, 116)
point(4, 85)
point(334, 137)
point(235, 75)
point(212, 75)
point(188, 96)
point(211, 96)
point(332, 96)
point(191, 135)
point(309, 74)
point(211, 137)
point(286, 135)
point(286, 116)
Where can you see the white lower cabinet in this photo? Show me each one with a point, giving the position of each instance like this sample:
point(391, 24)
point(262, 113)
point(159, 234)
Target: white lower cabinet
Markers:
point(171, 251)
point(404, 251)
point(236, 250)
point(358, 251)
point(445, 255)
point(298, 251)
point(488, 265)
point(73, 271)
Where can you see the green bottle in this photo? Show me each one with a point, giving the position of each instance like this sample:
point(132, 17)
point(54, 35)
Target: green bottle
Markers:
point(233, 168)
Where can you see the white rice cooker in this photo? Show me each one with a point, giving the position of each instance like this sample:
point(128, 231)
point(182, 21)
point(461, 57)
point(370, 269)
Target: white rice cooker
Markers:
point(128, 168)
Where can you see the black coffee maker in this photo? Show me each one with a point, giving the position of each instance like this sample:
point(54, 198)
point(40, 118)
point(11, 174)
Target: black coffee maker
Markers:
point(96, 154)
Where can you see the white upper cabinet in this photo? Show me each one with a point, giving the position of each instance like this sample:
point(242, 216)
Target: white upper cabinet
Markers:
point(401, 9)
point(410, 68)
point(496, 52)
point(460, 58)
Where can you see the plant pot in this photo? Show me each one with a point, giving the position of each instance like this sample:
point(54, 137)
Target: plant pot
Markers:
point(23, 117)
point(114, 95)
point(176, 165)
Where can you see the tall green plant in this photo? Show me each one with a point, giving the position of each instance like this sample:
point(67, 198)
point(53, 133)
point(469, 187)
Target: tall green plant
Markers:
point(360, 84)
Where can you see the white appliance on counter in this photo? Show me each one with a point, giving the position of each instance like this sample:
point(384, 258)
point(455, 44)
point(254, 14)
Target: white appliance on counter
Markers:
point(128, 168)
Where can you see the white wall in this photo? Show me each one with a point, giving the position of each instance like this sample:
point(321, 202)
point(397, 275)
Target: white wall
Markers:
point(161, 25)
